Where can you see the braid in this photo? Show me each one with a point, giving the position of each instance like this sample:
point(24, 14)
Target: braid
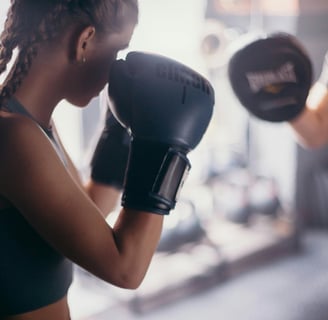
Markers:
point(13, 38)
point(18, 72)
point(30, 23)
point(7, 40)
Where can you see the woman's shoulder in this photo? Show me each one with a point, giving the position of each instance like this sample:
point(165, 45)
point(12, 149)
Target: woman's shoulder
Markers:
point(11, 121)
point(17, 127)
point(19, 135)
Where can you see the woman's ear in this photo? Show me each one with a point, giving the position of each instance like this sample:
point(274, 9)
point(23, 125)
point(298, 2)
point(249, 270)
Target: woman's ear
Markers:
point(83, 43)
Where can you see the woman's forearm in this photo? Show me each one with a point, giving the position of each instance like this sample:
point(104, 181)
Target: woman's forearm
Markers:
point(311, 126)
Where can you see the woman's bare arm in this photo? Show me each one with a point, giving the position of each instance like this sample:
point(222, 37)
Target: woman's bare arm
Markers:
point(34, 179)
point(311, 126)
point(106, 197)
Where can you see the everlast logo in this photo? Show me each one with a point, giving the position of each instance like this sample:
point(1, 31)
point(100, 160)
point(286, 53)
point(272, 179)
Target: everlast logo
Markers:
point(182, 75)
point(260, 80)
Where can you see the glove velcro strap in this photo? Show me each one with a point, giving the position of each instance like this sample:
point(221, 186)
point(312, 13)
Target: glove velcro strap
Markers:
point(162, 193)
point(171, 177)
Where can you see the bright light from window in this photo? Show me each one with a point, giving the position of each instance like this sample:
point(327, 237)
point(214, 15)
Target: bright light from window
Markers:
point(172, 28)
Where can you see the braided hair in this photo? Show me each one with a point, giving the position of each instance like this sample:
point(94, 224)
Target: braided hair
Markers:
point(32, 22)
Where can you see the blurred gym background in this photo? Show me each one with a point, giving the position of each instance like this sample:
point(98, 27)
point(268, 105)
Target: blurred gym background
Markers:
point(247, 239)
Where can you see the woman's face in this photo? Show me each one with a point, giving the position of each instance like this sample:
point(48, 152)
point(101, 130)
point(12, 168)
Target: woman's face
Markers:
point(92, 75)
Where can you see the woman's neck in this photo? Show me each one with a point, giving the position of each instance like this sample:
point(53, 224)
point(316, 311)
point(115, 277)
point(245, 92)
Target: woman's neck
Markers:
point(39, 93)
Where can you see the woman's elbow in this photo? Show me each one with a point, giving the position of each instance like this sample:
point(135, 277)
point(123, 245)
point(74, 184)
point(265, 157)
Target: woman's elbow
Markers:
point(129, 279)
point(130, 282)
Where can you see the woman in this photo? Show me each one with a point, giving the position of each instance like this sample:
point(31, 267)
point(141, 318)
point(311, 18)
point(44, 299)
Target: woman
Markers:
point(47, 217)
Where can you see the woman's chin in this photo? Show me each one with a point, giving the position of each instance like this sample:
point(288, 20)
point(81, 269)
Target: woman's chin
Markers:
point(82, 102)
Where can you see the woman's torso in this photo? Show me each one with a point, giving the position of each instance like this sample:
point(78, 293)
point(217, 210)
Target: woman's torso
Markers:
point(32, 273)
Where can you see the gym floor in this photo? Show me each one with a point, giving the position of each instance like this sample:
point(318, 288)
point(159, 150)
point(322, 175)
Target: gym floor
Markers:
point(293, 287)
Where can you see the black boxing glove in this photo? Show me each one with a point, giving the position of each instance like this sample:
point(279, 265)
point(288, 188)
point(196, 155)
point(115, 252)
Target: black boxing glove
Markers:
point(271, 77)
point(109, 160)
point(166, 107)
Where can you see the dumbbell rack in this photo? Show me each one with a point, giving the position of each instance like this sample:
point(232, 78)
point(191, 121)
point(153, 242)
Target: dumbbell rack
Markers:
point(225, 252)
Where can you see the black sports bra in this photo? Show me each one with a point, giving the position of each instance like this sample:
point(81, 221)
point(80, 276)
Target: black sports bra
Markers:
point(15, 107)
point(32, 274)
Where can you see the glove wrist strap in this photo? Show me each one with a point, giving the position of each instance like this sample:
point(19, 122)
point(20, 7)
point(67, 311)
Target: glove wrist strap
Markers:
point(158, 190)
